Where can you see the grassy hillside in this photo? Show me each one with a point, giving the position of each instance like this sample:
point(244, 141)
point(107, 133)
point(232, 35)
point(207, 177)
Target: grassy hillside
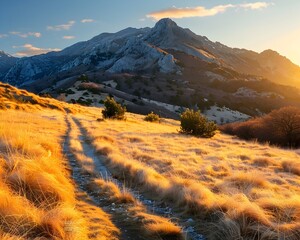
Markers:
point(65, 175)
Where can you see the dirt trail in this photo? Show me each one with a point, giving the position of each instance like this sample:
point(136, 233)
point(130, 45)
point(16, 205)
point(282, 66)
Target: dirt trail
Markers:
point(152, 206)
point(99, 226)
point(123, 224)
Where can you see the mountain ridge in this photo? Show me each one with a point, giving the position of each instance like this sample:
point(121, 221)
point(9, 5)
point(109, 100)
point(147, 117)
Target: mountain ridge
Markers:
point(6, 62)
point(107, 49)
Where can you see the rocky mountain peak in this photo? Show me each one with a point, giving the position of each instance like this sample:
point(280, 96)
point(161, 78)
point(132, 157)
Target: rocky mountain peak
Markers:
point(4, 54)
point(165, 23)
point(269, 52)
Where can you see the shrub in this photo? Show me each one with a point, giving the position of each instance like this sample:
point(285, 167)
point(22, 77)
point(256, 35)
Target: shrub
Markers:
point(192, 122)
point(286, 125)
point(280, 127)
point(90, 86)
point(113, 110)
point(152, 117)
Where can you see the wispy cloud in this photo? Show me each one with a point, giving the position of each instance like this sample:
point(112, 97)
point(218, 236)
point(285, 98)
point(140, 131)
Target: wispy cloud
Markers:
point(30, 50)
point(68, 37)
point(189, 12)
point(3, 35)
point(26, 35)
point(256, 5)
point(87, 20)
point(61, 27)
point(201, 11)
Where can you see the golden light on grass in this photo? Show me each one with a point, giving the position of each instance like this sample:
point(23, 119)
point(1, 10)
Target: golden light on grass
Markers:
point(204, 177)
point(231, 188)
point(37, 197)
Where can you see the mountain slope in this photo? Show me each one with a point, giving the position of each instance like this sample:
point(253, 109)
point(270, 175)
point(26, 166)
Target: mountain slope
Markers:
point(6, 62)
point(168, 35)
point(119, 52)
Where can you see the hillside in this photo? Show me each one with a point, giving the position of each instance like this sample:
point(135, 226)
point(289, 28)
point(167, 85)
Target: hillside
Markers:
point(137, 180)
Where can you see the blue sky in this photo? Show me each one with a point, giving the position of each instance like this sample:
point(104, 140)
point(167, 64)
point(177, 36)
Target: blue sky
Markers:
point(35, 26)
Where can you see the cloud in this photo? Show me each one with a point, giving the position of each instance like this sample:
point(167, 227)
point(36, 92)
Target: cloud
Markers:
point(30, 50)
point(3, 35)
point(201, 11)
point(26, 35)
point(61, 27)
point(256, 5)
point(68, 37)
point(87, 20)
point(188, 12)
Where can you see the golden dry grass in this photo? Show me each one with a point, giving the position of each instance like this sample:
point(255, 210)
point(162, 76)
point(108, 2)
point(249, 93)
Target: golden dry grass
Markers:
point(251, 189)
point(14, 98)
point(133, 216)
point(136, 214)
point(231, 188)
point(37, 197)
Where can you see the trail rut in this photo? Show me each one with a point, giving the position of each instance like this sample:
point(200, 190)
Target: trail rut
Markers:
point(86, 166)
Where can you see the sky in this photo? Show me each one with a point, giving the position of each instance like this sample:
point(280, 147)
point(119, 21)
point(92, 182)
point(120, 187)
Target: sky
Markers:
point(37, 26)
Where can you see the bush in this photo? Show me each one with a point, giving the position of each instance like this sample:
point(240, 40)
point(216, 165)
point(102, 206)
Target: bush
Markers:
point(152, 117)
point(280, 127)
point(192, 122)
point(90, 86)
point(113, 110)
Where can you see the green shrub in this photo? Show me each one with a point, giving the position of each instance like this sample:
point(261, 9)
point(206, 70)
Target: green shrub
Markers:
point(192, 122)
point(113, 110)
point(152, 117)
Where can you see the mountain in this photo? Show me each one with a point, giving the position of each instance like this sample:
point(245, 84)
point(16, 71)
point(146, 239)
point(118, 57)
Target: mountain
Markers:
point(146, 50)
point(269, 64)
point(166, 64)
point(6, 62)
point(119, 52)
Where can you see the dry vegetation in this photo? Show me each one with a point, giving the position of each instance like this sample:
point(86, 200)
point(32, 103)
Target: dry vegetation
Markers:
point(37, 197)
point(229, 188)
point(14, 98)
point(280, 127)
point(233, 188)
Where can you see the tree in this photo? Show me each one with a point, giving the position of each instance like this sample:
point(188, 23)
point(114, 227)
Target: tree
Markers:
point(285, 122)
point(192, 122)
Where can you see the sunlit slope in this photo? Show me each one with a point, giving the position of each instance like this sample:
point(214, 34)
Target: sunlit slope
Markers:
point(14, 98)
point(65, 175)
point(37, 196)
point(231, 188)
point(47, 192)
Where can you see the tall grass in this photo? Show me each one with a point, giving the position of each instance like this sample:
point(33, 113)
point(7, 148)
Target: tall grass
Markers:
point(36, 196)
point(228, 185)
